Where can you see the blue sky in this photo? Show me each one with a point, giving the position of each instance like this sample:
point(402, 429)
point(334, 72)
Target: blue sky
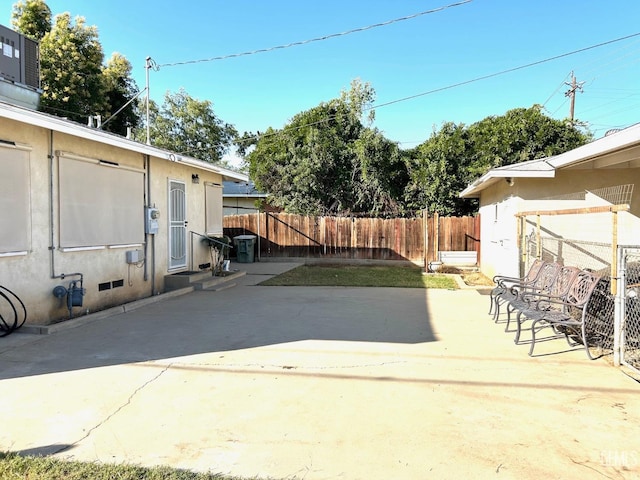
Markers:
point(403, 59)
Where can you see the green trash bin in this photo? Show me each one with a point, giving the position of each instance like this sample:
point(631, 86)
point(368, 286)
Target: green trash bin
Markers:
point(244, 248)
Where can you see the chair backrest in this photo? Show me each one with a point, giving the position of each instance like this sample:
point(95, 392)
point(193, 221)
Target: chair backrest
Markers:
point(546, 277)
point(581, 288)
point(564, 279)
point(534, 270)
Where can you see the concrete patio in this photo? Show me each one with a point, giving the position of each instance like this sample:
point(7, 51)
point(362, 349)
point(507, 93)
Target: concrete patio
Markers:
point(318, 383)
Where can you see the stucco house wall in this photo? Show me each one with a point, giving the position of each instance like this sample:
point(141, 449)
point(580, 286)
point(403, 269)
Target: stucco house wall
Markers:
point(240, 206)
point(47, 156)
point(241, 198)
point(572, 180)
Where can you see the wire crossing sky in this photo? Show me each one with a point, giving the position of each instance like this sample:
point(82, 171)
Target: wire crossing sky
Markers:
point(317, 39)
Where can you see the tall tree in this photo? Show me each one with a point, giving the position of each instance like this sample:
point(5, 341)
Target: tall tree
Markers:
point(186, 125)
point(519, 135)
point(31, 18)
point(325, 160)
point(121, 91)
point(439, 171)
point(455, 155)
point(75, 83)
point(71, 69)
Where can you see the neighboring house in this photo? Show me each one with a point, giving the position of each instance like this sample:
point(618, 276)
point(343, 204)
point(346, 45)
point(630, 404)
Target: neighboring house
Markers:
point(579, 195)
point(241, 197)
point(78, 203)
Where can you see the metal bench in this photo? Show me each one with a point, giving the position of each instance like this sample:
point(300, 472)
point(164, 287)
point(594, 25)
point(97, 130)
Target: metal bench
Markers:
point(458, 257)
point(566, 316)
point(552, 280)
point(526, 305)
point(502, 292)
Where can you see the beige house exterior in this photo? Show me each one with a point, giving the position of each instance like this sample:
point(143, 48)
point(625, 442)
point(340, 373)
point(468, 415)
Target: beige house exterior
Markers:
point(241, 198)
point(80, 203)
point(586, 195)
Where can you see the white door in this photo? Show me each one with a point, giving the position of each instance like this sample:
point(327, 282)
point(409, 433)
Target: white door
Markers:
point(177, 225)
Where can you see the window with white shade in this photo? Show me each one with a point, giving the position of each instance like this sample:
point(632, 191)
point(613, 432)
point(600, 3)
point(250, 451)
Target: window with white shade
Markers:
point(101, 203)
point(213, 207)
point(15, 211)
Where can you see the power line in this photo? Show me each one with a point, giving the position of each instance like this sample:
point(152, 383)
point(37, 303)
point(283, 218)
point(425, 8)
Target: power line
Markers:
point(318, 39)
point(556, 90)
point(466, 82)
point(509, 70)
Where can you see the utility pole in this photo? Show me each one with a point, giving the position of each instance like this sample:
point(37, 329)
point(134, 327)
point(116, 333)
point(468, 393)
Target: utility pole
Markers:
point(574, 86)
point(147, 66)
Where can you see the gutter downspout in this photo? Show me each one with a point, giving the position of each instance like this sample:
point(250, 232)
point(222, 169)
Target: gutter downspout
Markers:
point(52, 246)
point(153, 237)
point(146, 235)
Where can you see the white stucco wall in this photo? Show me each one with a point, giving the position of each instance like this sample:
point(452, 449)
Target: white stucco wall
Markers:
point(239, 205)
point(500, 202)
point(31, 276)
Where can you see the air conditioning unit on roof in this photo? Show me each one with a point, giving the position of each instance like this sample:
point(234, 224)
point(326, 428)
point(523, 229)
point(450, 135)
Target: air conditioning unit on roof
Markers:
point(19, 69)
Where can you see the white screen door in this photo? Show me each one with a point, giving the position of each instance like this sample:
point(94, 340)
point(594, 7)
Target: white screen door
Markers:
point(177, 225)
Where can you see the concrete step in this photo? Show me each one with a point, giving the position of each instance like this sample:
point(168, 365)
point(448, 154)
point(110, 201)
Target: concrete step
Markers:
point(216, 283)
point(198, 280)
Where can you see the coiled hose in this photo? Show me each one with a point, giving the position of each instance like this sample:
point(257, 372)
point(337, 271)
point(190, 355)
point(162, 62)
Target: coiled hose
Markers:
point(13, 312)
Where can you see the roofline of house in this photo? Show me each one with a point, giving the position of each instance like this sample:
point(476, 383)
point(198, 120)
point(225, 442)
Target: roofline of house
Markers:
point(244, 195)
point(495, 175)
point(57, 124)
point(615, 142)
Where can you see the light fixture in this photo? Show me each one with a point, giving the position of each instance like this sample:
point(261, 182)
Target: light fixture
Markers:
point(195, 178)
point(509, 181)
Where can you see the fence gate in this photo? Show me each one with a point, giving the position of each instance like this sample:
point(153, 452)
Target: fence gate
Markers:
point(627, 320)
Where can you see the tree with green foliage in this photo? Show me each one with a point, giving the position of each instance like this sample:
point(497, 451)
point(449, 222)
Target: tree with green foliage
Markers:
point(454, 156)
point(31, 18)
point(121, 91)
point(71, 70)
point(439, 171)
point(75, 83)
point(520, 135)
point(326, 161)
point(186, 125)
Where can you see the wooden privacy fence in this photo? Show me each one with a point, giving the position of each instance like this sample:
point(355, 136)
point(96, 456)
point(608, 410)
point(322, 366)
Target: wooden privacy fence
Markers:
point(289, 235)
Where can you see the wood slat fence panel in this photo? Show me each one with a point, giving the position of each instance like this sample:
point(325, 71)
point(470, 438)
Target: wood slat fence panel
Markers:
point(289, 235)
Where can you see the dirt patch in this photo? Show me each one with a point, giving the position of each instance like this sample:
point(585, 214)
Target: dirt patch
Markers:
point(472, 278)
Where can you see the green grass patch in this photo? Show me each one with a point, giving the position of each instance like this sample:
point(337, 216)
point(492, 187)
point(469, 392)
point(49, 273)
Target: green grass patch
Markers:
point(360, 276)
point(16, 467)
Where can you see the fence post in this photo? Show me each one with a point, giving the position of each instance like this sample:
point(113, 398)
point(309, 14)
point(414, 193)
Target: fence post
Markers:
point(425, 242)
point(619, 308)
point(614, 256)
point(538, 238)
point(436, 234)
point(258, 221)
point(266, 232)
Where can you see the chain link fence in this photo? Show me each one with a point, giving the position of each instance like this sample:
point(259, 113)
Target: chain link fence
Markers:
point(604, 310)
point(629, 306)
point(592, 256)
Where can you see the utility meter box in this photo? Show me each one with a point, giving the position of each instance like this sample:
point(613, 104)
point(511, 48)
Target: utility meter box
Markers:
point(151, 220)
point(134, 256)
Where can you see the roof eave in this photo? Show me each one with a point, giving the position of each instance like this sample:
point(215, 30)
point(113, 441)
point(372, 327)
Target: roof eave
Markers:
point(62, 125)
point(493, 176)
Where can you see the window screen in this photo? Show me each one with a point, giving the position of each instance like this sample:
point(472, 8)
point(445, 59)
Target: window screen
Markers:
point(15, 208)
point(99, 204)
point(213, 198)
